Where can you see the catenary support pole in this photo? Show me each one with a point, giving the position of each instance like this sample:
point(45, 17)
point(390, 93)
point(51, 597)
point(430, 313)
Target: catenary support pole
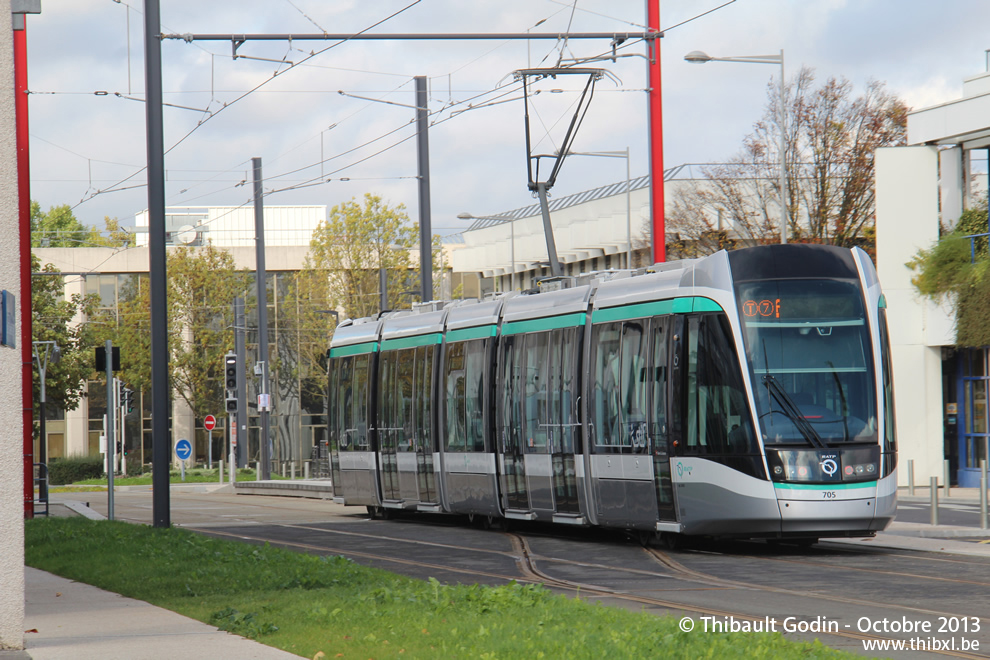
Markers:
point(160, 441)
point(259, 250)
point(240, 351)
point(425, 221)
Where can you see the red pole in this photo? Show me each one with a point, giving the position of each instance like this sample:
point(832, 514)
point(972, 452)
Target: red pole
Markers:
point(24, 209)
point(657, 233)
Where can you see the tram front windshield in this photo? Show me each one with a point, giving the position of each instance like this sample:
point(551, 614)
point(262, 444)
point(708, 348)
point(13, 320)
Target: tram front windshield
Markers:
point(810, 358)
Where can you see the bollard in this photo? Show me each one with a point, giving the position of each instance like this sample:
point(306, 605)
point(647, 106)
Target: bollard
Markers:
point(983, 494)
point(934, 490)
point(257, 473)
point(306, 470)
point(292, 470)
point(945, 476)
point(911, 478)
point(220, 464)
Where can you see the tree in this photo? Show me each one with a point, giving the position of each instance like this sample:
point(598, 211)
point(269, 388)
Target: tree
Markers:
point(830, 146)
point(60, 228)
point(356, 241)
point(57, 227)
point(52, 317)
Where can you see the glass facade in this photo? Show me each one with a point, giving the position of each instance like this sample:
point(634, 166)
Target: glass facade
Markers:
point(297, 380)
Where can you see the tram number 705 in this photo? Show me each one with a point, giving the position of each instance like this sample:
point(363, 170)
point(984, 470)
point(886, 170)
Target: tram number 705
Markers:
point(828, 495)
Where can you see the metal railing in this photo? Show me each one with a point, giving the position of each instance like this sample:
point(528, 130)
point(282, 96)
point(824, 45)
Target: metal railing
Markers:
point(972, 244)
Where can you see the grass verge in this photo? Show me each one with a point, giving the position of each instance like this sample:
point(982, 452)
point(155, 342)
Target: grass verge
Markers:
point(309, 604)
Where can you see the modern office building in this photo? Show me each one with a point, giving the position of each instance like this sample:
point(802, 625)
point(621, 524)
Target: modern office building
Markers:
point(942, 391)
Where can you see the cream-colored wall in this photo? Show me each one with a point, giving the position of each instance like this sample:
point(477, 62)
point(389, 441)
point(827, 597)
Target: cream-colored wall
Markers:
point(907, 220)
point(11, 438)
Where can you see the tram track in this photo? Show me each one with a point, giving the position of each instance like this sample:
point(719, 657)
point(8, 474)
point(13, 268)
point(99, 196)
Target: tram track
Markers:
point(528, 562)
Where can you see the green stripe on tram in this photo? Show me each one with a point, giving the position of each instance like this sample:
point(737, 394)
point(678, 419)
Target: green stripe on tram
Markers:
point(479, 332)
point(882, 304)
point(354, 349)
point(548, 323)
point(682, 305)
point(411, 342)
point(837, 486)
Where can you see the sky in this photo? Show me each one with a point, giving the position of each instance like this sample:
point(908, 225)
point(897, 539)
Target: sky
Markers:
point(87, 117)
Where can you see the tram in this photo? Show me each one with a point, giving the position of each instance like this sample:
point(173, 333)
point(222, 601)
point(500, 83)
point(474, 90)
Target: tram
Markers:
point(744, 394)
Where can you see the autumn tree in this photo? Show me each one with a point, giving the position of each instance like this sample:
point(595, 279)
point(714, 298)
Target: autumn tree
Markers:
point(830, 142)
point(356, 241)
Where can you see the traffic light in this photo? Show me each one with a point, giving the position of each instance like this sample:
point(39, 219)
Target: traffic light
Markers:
point(129, 400)
point(230, 380)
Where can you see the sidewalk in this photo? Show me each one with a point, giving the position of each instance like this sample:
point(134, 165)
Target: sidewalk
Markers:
point(66, 619)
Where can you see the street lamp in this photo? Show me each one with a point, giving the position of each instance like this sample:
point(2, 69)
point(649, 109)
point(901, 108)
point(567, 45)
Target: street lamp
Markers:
point(512, 240)
point(45, 352)
point(699, 57)
point(617, 154)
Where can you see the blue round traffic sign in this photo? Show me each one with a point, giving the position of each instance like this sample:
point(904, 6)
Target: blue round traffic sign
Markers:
point(183, 449)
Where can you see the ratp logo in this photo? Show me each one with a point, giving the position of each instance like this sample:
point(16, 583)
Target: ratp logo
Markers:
point(683, 469)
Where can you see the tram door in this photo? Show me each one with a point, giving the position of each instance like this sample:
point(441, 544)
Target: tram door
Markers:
point(510, 429)
point(423, 424)
point(389, 423)
point(562, 413)
point(659, 436)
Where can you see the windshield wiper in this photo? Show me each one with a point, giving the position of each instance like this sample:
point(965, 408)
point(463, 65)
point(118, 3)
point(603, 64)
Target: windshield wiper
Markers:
point(790, 409)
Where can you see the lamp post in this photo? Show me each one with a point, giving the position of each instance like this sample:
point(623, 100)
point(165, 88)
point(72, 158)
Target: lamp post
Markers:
point(699, 57)
point(512, 240)
point(617, 154)
point(45, 352)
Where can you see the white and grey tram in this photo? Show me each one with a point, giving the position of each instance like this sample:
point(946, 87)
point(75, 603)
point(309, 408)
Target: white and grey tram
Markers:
point(745, 394)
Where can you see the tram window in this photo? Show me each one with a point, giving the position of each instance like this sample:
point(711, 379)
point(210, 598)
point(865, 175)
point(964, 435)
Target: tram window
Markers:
point(405, 372)
point(464, 386)
point(658, 369)
point(511, 388)
point(424, 396)
point(718, 419)
point(564, 383)
point(358, 403)
point(534, 387)
point(605, 395)
point(455, 436)
point(474, 394)
point(633, 384)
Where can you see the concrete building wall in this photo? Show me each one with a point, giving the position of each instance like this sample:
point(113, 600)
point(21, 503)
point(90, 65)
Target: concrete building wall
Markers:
point(907, 195)
point(11, 438)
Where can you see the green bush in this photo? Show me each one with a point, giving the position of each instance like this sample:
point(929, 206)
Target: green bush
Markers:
point(77, 468)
